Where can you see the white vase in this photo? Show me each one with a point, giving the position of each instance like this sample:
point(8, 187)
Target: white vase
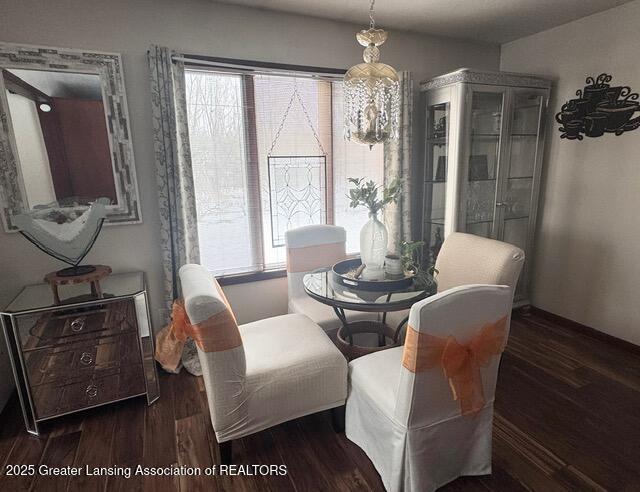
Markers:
point(373, 248)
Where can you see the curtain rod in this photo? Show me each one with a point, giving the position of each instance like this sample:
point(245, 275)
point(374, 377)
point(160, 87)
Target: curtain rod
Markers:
point(271, 69)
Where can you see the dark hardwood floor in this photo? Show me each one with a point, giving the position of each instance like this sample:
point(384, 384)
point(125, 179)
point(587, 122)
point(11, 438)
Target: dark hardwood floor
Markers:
point(567, 418)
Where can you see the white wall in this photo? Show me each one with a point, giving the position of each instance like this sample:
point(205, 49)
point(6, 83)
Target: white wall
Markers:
point(204, 27)
point(32, 151)
point(587, 262)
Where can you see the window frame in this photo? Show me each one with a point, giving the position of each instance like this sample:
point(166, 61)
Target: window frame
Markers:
point(248, 69)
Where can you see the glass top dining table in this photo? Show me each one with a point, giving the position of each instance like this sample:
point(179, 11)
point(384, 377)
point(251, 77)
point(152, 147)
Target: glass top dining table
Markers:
point(323, 286)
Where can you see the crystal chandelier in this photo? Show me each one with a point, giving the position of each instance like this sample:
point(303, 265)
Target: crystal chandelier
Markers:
point(371, 92)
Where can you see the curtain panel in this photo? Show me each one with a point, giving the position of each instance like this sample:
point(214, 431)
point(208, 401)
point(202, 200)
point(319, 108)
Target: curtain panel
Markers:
point(176, 197)
point(398, 164)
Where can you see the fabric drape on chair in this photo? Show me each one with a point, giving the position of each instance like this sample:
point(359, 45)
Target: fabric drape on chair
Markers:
point(398, 164)
point(176, 197)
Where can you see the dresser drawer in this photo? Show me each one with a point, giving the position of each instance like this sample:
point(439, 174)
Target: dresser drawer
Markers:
point(82, 360)
point(64, 326)
point(55, 399)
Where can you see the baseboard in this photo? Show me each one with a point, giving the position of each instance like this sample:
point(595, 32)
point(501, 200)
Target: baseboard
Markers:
point(586, 330)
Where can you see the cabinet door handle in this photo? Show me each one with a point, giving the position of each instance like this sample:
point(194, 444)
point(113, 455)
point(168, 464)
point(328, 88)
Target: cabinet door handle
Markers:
point(91, 391)
point(501, 204)
point(77, 324)
point(86, 358)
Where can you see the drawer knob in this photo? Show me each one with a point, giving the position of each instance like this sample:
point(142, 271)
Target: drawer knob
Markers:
point(91, 391)
point(77, 324)
point(86, 358)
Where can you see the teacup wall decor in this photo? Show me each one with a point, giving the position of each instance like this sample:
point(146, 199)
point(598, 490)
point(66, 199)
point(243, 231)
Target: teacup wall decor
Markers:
point(599, 108)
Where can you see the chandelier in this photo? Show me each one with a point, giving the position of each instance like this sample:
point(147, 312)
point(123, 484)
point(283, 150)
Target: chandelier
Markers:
point(371, 92)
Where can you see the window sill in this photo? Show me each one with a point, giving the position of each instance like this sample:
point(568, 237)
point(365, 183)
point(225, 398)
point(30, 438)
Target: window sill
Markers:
point(243, 278)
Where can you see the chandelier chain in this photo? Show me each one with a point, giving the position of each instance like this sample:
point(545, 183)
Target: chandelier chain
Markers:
point(372, 21)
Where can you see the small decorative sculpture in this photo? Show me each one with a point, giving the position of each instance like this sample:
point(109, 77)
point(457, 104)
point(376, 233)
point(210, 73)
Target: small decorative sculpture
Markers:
point(65, 231)
point(599, 109)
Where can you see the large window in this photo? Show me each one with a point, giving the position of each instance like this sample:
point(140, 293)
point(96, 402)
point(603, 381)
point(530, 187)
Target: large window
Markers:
point(269, 155)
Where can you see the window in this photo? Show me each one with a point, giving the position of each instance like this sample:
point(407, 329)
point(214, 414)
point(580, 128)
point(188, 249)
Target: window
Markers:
point(268, 155)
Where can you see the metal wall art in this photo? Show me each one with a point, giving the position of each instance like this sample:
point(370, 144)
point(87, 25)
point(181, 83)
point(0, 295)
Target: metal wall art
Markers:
point(599, 108)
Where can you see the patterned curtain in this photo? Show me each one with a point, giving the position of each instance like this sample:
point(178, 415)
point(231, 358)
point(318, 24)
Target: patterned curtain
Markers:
point(177, 204)
point(397, 164)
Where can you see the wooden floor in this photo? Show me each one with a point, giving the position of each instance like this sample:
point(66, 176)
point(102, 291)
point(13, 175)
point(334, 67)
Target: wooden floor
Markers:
point(567, 418)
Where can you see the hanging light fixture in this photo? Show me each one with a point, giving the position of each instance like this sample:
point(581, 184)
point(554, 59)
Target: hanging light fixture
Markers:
point(371, 92)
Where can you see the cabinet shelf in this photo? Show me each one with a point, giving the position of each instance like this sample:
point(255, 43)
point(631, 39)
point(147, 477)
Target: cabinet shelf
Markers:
point(439, 222)
point(473, 222)
point(437, 141)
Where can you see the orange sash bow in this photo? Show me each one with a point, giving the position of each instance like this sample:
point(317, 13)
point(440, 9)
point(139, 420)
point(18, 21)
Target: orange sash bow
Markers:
point(460, 363)
point(216, 333)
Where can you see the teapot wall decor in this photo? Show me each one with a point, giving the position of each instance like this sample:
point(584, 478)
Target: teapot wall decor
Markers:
point(599, 108)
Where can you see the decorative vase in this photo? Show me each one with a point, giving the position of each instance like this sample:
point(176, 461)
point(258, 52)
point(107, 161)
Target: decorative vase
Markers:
point(373, 248)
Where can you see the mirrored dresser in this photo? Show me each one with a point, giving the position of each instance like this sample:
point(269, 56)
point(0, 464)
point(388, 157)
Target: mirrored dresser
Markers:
point(84, 352)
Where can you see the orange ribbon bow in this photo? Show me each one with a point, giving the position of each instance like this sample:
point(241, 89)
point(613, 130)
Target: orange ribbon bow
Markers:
point(171, 339)
point(216, 333)
point(460, 363)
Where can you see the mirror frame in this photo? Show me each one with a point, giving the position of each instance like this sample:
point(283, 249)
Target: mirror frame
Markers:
point(109, 67)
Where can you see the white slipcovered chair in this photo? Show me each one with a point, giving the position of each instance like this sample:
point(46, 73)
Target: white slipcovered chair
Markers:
point(309, 248)
point(259, 374)
point(401, 409)
point(468, 259)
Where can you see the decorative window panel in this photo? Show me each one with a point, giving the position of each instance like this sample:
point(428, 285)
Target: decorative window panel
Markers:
point(297, 191)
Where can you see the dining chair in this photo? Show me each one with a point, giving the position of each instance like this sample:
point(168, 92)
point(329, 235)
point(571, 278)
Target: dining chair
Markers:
point(469, 259)
point(259, 374)
point(423, 412)
point(309, 248)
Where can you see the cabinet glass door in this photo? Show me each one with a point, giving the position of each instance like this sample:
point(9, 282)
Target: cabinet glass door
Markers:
point(435, 180)
point(482, 167)
point(520, 172)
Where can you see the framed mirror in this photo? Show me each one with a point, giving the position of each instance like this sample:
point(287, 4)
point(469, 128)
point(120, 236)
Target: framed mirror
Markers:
point(64, 132)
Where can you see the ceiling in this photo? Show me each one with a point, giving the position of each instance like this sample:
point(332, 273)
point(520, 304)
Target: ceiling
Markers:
point(494, 21)
point(63, 84)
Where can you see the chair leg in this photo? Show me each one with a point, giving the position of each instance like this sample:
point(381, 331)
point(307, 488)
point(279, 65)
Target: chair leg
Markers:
point(225, 452)
point(337, 418)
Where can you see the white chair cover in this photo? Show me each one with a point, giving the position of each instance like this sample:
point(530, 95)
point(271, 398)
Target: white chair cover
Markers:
point(278, 368)
point(408, 422)
point(468, 259)
point(309, 248)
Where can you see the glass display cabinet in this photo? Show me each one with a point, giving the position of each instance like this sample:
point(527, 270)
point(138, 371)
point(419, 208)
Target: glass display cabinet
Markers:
point(483, 159)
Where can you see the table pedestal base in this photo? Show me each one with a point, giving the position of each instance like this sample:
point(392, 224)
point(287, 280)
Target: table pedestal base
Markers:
point(344, 338)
